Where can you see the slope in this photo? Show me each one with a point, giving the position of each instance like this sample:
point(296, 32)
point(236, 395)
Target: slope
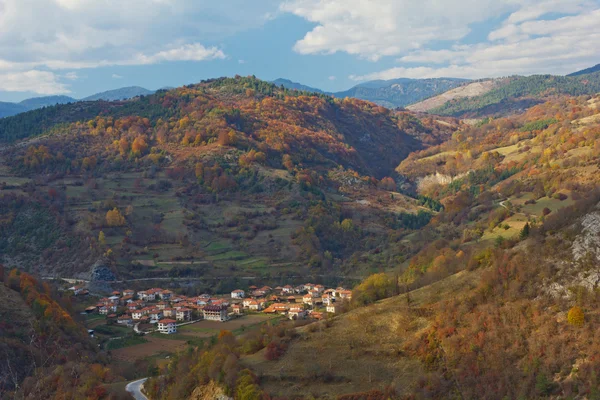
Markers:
point(518, 94)
point(468, 90)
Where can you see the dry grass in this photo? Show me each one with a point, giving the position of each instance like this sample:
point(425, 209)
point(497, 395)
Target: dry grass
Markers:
point(362, 350)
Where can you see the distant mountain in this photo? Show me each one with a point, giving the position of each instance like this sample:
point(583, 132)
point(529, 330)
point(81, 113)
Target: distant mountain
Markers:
point(401, 92)
point(286, 83)
point(10, 109)
point(120, 94)
point(39, 102)
point(586, 71)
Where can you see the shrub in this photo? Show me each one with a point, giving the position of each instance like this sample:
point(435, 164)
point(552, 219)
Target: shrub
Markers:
point(576, 316)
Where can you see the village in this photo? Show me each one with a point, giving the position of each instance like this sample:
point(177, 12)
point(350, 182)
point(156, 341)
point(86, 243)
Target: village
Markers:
point(163, 311)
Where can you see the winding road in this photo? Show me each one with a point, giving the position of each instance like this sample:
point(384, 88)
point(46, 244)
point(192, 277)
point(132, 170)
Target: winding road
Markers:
point(135, 388)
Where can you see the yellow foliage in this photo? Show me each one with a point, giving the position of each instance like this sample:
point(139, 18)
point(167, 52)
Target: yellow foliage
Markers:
point(576, 316)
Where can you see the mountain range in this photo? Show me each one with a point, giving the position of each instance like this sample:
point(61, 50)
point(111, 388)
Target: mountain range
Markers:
point(8, 109)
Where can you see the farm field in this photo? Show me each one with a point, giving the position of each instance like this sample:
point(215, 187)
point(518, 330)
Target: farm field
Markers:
point(154, 345)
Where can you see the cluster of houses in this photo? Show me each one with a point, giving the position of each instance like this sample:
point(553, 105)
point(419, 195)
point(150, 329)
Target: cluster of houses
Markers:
point(161, 307)
point(166, 309)
point(286, 300)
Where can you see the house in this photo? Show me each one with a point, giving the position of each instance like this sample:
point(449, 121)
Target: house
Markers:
point(296, 313)
point(137, 314)
point(246, 302)
point(333, 308)
point(308, 299)
point(215, 313)
point(91, 309)
point(291, 299)
point(116, 293)
point(125, 320)
point(147, 295)
point(346, 294)
point(255, 305)
point(162, 305)
point(237, 309)
point(155, 314)
point(327, 299)
point(287, 289)
point(106, 309)
point(114, 299)
point(165, 294)
point(238, 294)
point(184, 314)
point(319, 288)
point(169, 312)
point(167, 326)
point(129, 292)
point(308, 287)
point(77, 290)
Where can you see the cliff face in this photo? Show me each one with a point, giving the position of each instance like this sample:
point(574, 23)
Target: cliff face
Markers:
point(210, 391)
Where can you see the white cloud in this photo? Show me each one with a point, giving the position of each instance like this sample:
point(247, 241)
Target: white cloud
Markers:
point(188, 52)
point(72, 76)
point(241, 61)
point(524, 43)
point(42, 82)
point(374, 29)
point(116, 76)
point(76, 34)
point(332, 78)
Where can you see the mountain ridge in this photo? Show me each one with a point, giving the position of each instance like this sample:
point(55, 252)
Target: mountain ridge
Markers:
point(9, 109)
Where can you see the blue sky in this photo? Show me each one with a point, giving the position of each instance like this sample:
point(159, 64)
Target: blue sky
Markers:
point(80, 47)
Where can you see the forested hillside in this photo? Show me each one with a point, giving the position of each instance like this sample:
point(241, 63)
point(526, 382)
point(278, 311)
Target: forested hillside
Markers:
point(230, 173)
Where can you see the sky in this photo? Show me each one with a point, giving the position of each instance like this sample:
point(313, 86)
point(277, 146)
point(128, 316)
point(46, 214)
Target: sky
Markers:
point(81, 47)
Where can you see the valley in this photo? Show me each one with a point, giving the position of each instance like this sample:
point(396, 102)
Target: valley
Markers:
point(451, 232)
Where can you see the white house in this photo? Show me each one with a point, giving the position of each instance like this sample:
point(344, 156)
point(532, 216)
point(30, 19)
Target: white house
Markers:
point(287, 289)
point(238, 294)
point(296, 313)
point(167, 326)
point(77, 290)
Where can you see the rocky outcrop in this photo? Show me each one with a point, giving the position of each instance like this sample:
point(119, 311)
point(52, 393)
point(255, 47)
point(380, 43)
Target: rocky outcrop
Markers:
point(210, 391)
point(101, 271)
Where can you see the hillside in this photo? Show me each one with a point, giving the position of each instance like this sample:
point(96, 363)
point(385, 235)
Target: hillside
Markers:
point(232, 175)
point(468, 90)
point(518, 94)
point(400, 92)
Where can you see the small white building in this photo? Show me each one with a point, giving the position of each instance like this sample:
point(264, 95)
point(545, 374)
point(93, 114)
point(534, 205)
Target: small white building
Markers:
point(167, 326)
point(238, 294)
point(333, 308)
